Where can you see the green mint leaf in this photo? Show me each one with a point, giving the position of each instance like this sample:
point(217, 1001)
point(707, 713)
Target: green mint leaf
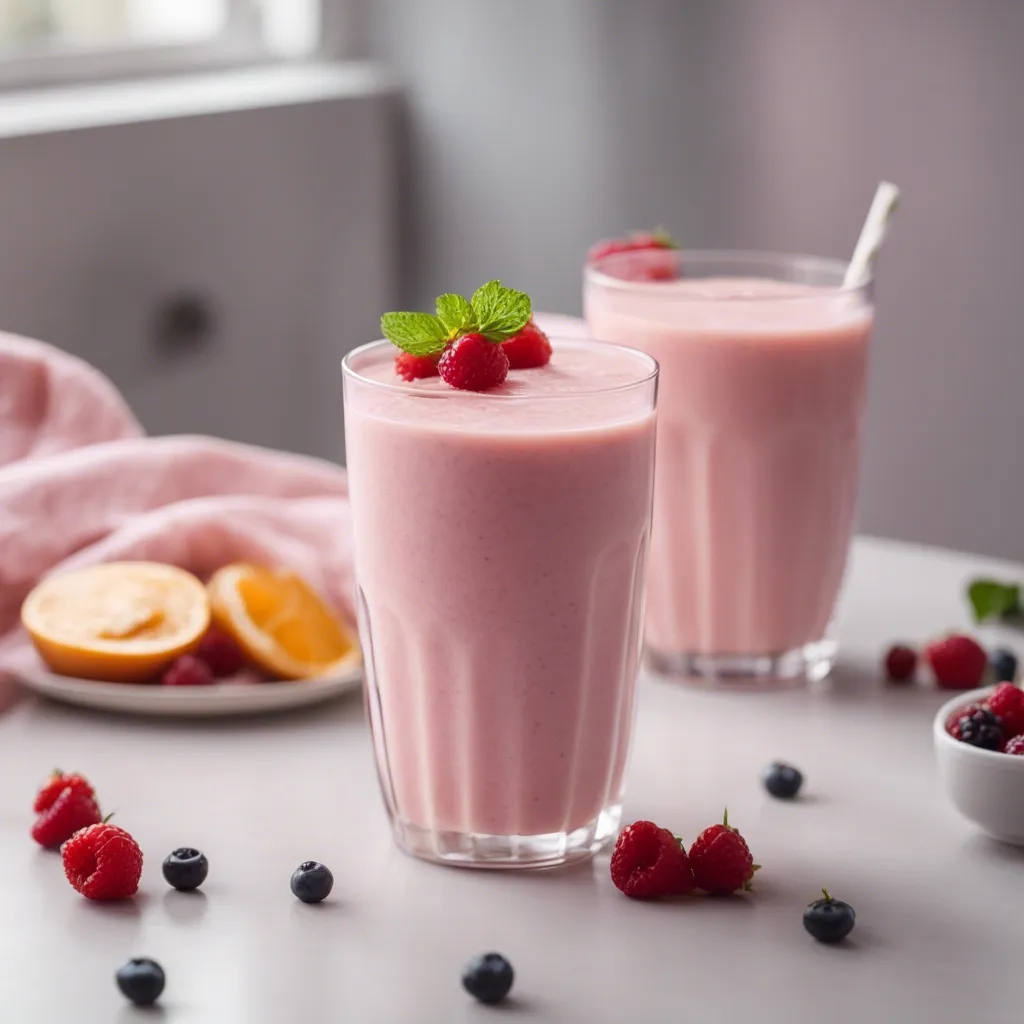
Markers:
point(456, 314)
point(500, 312)
point(420, 334)
point(991, 599)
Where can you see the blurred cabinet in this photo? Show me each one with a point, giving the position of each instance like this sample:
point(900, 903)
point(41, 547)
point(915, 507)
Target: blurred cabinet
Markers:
point(214, 247)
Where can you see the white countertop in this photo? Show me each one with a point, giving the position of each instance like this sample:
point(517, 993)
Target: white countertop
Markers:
point(938, 934)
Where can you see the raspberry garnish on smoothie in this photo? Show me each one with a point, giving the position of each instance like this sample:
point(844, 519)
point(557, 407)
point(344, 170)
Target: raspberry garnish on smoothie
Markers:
point(463, 341)
point(657, 261)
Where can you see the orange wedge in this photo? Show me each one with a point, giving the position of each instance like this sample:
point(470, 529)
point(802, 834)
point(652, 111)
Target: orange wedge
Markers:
point(122, 621)
point(281, 622)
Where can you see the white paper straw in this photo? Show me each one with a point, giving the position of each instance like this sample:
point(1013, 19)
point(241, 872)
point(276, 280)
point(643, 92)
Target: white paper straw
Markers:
point(872, 235)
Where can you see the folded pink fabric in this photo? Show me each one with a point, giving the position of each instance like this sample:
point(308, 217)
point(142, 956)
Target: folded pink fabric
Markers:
point(79, 484)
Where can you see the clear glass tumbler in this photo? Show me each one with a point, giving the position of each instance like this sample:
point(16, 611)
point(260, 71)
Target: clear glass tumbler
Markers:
point(500, 550)
point(763, 361)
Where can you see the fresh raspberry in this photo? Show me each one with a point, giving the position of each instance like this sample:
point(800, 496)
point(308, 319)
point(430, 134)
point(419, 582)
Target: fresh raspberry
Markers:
point(649, 861)
point(56, 784)
point(72, 810)
point(410, 367)
point(187, 670)
point(721, 860)
point(1015, 746)
point(1007, 703)
point(646, 267)
point(472, 363)
point(953, 722)
point(900, 663)
point(958, 661)
point(103, 862)
point(527, 349)
point(223, 656)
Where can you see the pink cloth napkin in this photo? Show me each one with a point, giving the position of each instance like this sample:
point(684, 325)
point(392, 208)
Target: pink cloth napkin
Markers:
point(80, 484)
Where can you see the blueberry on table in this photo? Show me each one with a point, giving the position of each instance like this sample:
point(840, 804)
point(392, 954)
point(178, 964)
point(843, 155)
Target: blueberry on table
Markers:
point(488, 978)
point(141, 980)
point(829, 920)
point(782, 780)
point(186, 868)
point(1004, 665)
point(312, 882)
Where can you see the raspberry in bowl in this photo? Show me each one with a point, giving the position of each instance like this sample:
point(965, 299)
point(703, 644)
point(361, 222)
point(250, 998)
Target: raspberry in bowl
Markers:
point(985, 785)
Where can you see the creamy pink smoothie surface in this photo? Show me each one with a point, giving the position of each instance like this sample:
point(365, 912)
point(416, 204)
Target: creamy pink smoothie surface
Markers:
point(761, 396)
point(500, 547)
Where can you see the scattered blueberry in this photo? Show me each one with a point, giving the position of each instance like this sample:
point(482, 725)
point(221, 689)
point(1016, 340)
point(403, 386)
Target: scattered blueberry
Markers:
point(829, 920)
point(488, 978)
point(186, 868)
point(782, 780)
point(312, 882)
point(141, 981)
point(1004, 665)
point(981, 729)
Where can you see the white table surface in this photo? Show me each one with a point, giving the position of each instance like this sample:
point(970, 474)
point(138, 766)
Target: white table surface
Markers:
point(939, 932)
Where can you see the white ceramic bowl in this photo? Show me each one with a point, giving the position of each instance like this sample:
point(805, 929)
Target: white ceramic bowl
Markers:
point(985, 787)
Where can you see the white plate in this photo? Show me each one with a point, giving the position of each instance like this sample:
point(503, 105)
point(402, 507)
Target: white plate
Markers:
point(191, 701)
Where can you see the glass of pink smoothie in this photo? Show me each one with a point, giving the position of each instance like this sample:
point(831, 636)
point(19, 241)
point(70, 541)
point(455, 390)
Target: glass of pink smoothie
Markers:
point(500, 550)
point(763, 363)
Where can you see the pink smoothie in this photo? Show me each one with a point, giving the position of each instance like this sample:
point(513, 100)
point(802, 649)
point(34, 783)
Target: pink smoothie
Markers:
point(762, 392)
point(501, 543)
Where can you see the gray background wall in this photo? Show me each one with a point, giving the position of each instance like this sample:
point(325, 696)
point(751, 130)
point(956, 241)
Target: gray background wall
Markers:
point(541, 125)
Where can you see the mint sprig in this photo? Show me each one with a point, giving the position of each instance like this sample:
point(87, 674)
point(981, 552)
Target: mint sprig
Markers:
point(991, 599)
point(456, 314)
point(495, 311)
point(500, 312)
point(417, 333)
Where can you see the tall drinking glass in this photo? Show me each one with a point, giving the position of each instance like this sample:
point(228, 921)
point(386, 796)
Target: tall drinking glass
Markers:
point(500, 550)
point(763, 362)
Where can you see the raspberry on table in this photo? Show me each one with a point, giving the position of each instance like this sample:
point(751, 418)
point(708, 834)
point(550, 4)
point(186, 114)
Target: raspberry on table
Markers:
point(958, 662)
point(103, 862)
point(188, 670)
point(649, 861)
point(472, 363)
point(410, 367)
point(74, 809)
point(900, 663)
point(721, 860)
point(56, 784)
point(1007, 703)
point(528, 349)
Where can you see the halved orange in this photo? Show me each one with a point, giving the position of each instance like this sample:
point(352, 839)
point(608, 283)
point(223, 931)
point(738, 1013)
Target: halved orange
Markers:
point(122, 621)
point(281, 622)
